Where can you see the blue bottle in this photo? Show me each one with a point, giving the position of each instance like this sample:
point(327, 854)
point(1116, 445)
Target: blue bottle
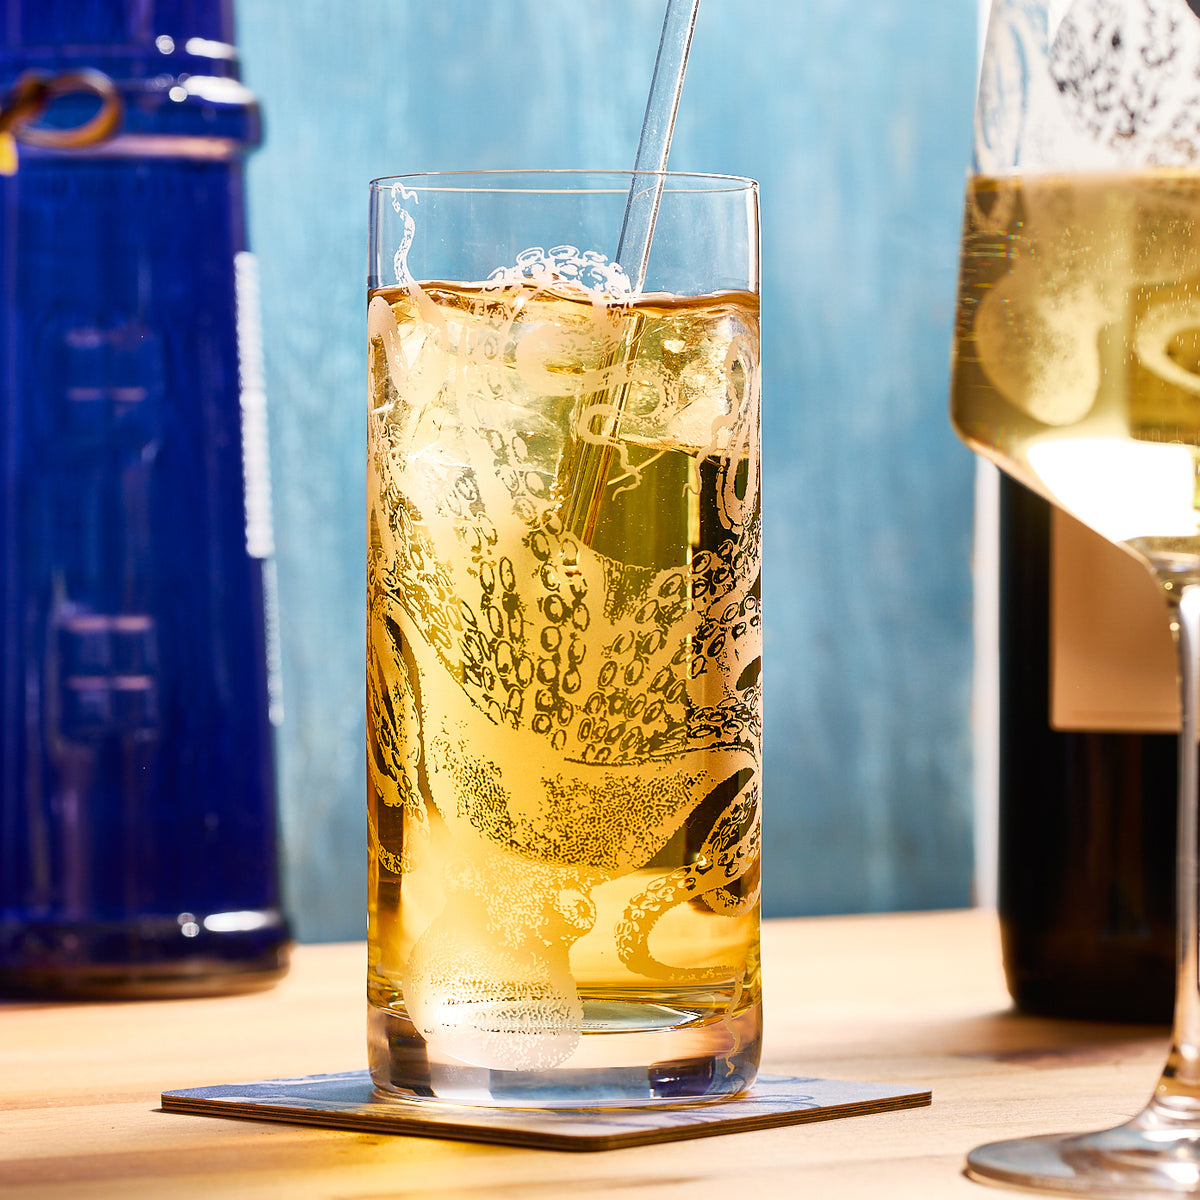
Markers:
point(138, 843)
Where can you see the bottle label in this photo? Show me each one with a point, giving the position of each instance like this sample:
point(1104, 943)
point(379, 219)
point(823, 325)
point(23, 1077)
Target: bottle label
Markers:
point(1112, 660)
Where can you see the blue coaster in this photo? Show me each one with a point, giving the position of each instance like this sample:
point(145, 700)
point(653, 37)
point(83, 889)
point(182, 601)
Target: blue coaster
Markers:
point(349, 1101)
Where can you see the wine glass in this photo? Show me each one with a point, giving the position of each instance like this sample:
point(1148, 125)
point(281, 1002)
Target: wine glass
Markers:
point(1077, 370)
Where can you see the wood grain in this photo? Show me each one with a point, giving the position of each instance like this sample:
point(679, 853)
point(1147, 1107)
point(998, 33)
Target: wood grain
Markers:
point(906, 998)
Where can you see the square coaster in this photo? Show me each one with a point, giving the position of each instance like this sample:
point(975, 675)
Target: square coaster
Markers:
point(349, 1101)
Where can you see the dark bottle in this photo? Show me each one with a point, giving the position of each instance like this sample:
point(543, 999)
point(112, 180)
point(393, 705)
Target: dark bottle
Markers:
point(138, 845)
point(1087, 820)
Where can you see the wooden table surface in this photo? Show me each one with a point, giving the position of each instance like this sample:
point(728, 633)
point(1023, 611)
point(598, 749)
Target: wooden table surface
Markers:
point(910, 998)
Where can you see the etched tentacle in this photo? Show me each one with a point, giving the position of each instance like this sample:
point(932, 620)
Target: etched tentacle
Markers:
point(729, 852)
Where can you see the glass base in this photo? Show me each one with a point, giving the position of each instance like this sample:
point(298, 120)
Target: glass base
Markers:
point(664, 1060)
point(1155, 1154)
point(144, 958)
point(160, 981)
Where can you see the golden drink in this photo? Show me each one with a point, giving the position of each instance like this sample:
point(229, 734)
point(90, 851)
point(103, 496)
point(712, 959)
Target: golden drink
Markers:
point(564, 717)
point(1077, 361)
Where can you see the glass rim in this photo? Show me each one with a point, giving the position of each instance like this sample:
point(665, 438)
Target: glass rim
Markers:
point(621, 180)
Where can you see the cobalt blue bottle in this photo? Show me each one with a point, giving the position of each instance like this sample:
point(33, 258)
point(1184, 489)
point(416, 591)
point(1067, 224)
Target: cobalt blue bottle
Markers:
point(138, 844)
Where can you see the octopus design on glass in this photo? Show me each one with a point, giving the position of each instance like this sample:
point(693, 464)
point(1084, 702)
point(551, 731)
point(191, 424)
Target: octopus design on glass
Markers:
point(551, 717)
point(1089, 84)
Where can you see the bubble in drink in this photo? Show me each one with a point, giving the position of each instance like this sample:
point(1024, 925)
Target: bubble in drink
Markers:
point(563, 676)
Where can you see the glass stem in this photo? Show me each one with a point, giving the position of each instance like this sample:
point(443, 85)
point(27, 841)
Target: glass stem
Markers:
point(1179, 1088)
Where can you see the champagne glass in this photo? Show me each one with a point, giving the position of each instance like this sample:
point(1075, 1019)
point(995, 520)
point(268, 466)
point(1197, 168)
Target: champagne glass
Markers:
point(1077, 370)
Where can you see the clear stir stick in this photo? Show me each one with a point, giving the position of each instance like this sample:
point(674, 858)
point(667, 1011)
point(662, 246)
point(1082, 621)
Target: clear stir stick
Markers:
point(654, 145)
point(633, 249)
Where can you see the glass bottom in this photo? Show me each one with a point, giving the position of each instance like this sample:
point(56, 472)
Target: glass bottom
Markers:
point(144, 958)
point(1155, 1154)
point(627, 1055)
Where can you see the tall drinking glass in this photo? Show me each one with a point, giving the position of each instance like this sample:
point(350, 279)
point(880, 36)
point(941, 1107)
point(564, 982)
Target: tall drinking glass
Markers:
point(1077, 369)
point(564, 640)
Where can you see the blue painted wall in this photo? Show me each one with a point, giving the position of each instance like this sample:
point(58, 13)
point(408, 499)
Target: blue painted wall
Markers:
point(856, 119)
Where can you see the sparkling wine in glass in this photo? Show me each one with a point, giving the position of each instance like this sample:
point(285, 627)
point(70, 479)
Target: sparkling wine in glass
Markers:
point(1077, 370)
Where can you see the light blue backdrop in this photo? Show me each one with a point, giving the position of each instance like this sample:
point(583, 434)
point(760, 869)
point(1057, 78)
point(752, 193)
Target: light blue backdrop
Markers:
point(855, 117)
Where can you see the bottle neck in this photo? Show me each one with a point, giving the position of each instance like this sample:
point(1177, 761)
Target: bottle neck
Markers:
point(179, 104)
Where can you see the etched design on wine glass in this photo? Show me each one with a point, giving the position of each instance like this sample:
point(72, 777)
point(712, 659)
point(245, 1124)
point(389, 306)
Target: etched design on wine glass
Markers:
point(1088, 84)
point(1081, 306)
